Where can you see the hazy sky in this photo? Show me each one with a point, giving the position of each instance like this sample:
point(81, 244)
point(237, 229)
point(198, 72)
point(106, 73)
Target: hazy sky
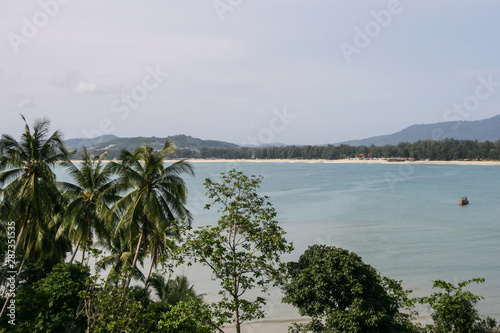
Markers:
point(247, 71)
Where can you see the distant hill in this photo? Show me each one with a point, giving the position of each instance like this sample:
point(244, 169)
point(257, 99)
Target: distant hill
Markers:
point(481, 130)
point(113, 144)
point(84, 142)
point(267, 145)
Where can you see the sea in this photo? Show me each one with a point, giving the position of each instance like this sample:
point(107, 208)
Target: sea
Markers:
point(403, 219)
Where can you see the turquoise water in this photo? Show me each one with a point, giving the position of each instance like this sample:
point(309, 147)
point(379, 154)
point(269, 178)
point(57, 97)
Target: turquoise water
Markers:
point(403, 219)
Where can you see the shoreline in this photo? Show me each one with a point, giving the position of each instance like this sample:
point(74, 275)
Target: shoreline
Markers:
point(340, 161)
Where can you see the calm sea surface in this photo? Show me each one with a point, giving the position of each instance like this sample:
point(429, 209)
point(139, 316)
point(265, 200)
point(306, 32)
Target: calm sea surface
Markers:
point(401, 218)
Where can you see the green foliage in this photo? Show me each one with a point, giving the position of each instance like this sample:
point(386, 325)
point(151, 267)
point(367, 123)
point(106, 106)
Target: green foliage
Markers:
point(333, 286)
point(88, 198)
point(343, 294)
point(187, 317)
point(108, 309)
point(30, 196)
point(447, 149)
point(179, 308)
point(187, 146)
point(119, 257)
point(454, 309)
point(243, 250)
point(4, 241)
point(173, 291)
point(52, 304)
point(154, 201)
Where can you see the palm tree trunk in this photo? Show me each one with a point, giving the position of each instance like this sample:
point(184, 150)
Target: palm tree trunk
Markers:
point(134, 261)
point(15, 283)
point(150, 270)
point(83, 256)
point(74, 252)
point(19, 237)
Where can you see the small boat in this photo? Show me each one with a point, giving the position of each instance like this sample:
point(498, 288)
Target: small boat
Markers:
point(464, 201)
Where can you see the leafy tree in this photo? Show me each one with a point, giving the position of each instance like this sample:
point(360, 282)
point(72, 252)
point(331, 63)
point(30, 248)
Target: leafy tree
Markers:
point(243, 250)
point(108, 309)
point(454, 310)
point(446, 149)
point(52, 304)
point(343, 294)
point(187, 317)
point(156, 197)
point(179, 308)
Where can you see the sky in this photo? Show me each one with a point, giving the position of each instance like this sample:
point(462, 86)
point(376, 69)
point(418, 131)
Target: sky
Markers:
point(247, 71)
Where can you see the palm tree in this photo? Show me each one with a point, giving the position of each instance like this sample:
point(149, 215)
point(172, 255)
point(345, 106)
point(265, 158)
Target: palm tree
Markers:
point(90, 196)
point(162, 240)
point(173, 291)
point(119, 258)
point(156, 197)
point(31, 197)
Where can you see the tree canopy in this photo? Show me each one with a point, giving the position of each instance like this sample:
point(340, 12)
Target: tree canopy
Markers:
point(136, 210)
point(343, 294)
point(454, 309)
point(243, 250)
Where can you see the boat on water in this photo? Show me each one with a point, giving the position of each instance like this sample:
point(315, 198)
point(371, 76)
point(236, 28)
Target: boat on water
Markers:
point(464, 201)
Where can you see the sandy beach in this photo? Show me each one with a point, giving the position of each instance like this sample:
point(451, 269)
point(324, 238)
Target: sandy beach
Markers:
point(368, 161)
point(371, 161)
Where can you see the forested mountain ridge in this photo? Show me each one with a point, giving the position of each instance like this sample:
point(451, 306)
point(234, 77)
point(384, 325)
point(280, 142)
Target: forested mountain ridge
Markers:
point(113, 144)
point(88, 142)
point(481, 130)
point(475, 140)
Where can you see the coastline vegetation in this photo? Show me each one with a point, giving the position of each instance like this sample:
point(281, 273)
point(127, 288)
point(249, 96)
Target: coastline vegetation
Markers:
point(435, 150)
point(442, 150)
point(121, 214)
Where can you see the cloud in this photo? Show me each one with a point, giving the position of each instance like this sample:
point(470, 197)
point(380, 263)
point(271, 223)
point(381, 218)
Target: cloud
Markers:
point(78, 83)
point(25, 102)
point(84, 87)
